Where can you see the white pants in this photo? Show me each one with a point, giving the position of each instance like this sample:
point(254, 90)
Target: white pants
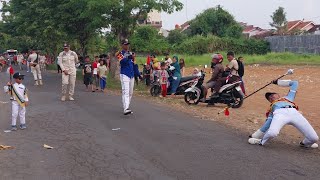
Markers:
point(70, 80)
point(36, 72)
point(292, 117)
point(127, 85)
point(18, 110)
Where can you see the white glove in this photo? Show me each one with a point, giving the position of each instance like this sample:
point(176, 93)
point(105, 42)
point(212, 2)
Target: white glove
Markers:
point(171, 68)
point(175, 78)
point(77, 65)
point(284, 83)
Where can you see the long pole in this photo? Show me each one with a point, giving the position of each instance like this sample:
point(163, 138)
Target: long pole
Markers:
point(263, 87)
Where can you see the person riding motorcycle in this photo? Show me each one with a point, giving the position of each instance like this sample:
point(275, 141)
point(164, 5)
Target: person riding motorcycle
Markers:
point(218, 70)
point(233, 67)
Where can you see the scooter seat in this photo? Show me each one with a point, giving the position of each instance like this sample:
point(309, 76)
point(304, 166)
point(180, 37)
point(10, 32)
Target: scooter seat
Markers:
point(187, 78)
point(229, 86)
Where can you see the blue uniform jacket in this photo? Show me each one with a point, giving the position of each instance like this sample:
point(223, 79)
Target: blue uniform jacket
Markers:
point(126, 64)
point(291, 95)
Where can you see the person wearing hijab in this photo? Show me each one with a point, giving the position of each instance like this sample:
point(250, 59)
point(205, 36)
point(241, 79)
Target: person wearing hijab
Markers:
point(176, 75)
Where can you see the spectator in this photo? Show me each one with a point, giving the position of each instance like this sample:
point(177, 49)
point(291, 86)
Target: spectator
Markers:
point(176, 75)
point(241, 59)
point(163, 75)
point(87, 73)
point(95, 66)
point(195, 72)
point(182, 66)
point(167, 58)
point(102, 72)
point(147, 71)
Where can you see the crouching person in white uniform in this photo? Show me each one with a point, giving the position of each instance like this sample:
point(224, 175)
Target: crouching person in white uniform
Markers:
point(67, 61)
point(19, 102)
point(284, 111)
point(126, 75)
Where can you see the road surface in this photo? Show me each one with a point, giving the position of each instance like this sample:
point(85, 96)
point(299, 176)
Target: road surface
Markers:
point(155, 143)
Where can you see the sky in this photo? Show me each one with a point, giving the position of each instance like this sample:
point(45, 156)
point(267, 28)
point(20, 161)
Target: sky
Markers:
point(253, 12)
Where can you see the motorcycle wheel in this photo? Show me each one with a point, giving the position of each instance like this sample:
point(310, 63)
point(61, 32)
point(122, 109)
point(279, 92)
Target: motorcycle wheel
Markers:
point(191, 98)
point(155, 90)
point(238, 101)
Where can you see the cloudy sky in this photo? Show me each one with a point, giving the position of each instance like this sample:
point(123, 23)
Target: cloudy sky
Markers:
point(255, 12)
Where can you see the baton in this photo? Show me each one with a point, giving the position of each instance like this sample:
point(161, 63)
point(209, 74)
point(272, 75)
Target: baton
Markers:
point(289, 72)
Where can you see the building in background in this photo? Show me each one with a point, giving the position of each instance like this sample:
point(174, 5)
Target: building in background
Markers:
point(153, 19)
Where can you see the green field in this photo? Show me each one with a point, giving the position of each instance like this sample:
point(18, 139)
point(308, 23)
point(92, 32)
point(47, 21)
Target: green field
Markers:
point(268, 59)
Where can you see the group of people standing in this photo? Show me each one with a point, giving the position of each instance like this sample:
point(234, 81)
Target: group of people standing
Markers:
point(95, 74)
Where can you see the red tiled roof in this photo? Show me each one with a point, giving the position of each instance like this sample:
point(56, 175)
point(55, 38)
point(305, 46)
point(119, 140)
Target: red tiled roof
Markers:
point(185, 24)
point(248, 28)
point(302, 25)
point(292, 24)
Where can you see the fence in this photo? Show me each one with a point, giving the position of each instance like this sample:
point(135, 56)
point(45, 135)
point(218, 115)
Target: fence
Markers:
point(309, 44)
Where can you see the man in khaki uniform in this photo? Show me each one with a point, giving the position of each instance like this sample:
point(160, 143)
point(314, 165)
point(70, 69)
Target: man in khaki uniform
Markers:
point(67, 60)
point(34, 60)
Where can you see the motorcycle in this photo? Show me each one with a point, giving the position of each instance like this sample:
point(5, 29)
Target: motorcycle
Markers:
point(185, 83)
point(230, 94)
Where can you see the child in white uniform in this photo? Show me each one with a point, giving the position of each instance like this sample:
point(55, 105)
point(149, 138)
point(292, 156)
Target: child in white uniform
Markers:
point(20, 100)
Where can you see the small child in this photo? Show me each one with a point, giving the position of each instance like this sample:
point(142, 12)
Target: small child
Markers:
point(102, 72)
point(195, 72)
point(147, 71)
point(20, 101)
point(163, 76)
point(87, 73)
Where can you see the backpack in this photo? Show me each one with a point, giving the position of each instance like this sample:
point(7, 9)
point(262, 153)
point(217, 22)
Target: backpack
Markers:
point(241, 68)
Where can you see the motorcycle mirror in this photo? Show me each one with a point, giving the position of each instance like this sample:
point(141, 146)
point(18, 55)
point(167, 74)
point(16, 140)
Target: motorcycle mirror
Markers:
point(290, 71)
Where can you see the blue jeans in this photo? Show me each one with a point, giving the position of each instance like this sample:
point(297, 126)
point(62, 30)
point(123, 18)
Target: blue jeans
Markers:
point(174, 85)
point(103, 83)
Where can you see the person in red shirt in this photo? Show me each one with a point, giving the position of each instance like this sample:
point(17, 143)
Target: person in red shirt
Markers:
point(95, 66)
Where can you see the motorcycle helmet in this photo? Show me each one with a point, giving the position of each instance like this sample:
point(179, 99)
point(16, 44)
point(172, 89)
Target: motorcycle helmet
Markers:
point(218, 57)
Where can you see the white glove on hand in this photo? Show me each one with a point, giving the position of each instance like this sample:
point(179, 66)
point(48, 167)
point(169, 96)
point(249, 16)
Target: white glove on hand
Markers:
point(175, 78)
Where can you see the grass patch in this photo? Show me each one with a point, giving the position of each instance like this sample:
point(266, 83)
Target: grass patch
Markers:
point(268, 59)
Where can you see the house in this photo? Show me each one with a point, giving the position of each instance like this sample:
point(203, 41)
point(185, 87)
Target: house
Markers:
point(250, 31)
point(153, 19)
point(164, 32)
point(183, 26)
point(301, 27)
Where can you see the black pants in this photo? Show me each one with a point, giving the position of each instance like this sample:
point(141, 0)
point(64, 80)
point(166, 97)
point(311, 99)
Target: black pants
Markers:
point(148, 81)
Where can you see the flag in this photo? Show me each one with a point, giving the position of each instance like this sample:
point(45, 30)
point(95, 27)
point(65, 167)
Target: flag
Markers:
point(226, 111)
point(148, 60)
point(120, 56)
point(11, 71)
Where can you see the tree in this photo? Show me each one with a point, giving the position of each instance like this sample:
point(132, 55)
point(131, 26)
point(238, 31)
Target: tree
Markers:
point(234, 31)
point(123, 15)
point(147, 40)
point(214, 21)
point(279, 20)
point(176, 37)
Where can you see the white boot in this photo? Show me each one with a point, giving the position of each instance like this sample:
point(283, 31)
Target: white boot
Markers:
point(36, 83)
point(71, 98)
point(258, 134)
point(63, 98)
point(40, 82)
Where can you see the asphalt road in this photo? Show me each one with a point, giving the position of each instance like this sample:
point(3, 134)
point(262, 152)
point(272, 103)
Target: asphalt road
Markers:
point(155, 143)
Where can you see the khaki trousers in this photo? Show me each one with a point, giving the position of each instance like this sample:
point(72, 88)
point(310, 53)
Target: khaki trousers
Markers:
point(70, 80)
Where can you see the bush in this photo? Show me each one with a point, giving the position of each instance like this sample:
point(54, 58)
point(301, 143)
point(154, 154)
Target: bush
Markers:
point(201, 45)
